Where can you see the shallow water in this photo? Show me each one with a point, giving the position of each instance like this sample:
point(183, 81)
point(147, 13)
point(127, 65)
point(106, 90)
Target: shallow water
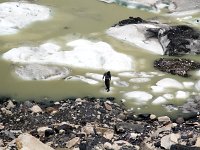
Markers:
point(74, 19)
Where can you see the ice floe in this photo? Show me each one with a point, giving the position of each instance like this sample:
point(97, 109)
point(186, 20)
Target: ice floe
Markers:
point(169, 83)
point(121, 83)
point(135, 34)
point(182, 95)
point(157, 89)
point(188, 85)
point(84, 54)
point(137, 74)
point(16, 15)
point(168, 96)
point(139, 96)
point(139, 80)
point(197, 85)
point(159, 100)
point(41, 72)
point(81, 78)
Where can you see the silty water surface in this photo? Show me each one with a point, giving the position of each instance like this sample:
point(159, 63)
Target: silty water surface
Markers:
point(77, 19)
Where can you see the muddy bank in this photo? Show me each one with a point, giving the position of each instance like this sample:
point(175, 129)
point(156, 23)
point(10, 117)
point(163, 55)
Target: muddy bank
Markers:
point(91, 124)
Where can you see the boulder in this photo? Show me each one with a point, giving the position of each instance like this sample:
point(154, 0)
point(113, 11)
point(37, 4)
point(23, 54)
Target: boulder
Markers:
point(164, 119)
point(158, 38)
point(36, 109)
point(176, 66)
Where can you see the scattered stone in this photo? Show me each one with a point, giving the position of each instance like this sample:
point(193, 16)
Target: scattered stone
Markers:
point(197, 144)
point(124, 127)
point(77, 126)
point(107, 106)
point(152, 116)
point(164, 119)
point(169, 140)
point(41, 130)
point(5, 111)
point(1, 126)
point(10, 105)
point(105, 132)
point(72, 142)
point(180, 120)
point(27, 142)
point(36, 109)
point(108, 146)
point(88, 129)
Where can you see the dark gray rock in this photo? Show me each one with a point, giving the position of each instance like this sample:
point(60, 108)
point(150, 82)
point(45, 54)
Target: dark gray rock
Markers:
point(130, 20)
point(192, 105)
point(176, 66)
point(124, 127)
point(179, 40)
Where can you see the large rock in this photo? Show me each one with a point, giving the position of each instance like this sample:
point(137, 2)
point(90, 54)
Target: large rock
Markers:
point(135, 31)
point(176, 66)
point(26, 141)
point(158, 38)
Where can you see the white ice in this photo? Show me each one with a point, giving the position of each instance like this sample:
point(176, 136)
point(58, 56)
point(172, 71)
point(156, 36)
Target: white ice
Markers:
point(41, 72)
point(81, 78)
point(83, 54)
point(135, 34)
point(16, 15)
point(159, 100)
point(139, 96)
point(169, 83)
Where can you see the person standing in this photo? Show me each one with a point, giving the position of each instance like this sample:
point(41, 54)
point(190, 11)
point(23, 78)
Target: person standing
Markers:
point(107, 76)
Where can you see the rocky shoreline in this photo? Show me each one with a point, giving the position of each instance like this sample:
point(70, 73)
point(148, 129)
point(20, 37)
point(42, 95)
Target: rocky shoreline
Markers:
point(91, 124)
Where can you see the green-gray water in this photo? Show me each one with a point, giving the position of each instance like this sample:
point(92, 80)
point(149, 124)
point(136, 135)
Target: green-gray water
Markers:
point(74, 19)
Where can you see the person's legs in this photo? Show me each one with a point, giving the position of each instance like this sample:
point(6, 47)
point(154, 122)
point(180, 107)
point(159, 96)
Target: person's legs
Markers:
point(107, 83)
